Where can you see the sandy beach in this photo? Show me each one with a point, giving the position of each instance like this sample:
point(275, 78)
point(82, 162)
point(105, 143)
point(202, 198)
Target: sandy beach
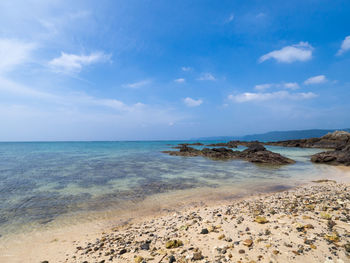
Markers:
point(307, 224)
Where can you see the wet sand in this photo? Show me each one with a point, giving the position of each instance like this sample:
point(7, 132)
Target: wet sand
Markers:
point(307, 224)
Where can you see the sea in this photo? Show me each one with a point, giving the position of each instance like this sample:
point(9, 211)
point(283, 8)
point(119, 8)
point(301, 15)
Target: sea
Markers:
point(45, 184)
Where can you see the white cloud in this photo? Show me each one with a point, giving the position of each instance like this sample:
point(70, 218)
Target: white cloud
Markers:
point(207, 76)
point(192, 102)
point(180, 80)
point(263, 86)
point(14, 53)
point(286, 85)
point(72, 63)
point(316, 80)
point(345, 46)
point(299, 52)
point(291, 85)
point(138, 84)
point(278, 95)
point(186, 69)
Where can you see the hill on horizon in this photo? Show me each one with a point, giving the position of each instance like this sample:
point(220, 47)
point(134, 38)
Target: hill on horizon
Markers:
point(276, 135)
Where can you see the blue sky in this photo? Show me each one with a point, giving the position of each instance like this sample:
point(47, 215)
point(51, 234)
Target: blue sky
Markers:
point(135, 70)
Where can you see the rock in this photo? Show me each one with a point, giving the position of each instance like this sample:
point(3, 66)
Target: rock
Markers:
point(255, 153)
point(173, 244)
point(211, 229)
point(45, 261)
point(337, 157)
point(347, 247)
point(221, 237)
point(204, 231)
point(145, 246)
point(241, 251)
point(325, 216)
point(197, 256)
point(122, 251)
point(138, 259)
point(334, 237)
point(256, 147)
point(335, 140)
point(258, 154)
point(248, 242)
point(275, 252)
point(261, 220)
point(172, 259)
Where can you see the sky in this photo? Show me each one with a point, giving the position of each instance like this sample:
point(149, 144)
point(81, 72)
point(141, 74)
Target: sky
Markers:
point(159, 69)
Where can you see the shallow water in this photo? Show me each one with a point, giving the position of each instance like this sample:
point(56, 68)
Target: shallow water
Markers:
point(43, 181)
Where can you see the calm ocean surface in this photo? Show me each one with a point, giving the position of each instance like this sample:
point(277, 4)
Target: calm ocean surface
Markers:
point(43, 181)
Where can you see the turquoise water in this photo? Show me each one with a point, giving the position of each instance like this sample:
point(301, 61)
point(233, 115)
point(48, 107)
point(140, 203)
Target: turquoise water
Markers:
point(41, 181)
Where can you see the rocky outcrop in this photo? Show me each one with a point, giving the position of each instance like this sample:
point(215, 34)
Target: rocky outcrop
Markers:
point(340, 156)
point(334, 140)
point(230, 144)
point(255, 153)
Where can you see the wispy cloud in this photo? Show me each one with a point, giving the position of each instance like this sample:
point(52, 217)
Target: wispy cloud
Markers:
point(345, 46)
point(207, 76)
point(138, 84)
point(285, 85)
point(291, 85)
point(230, 18)
point(186, 69)
point(72, 63)
point(192, 102)
point(180, 80)
point(14, 53)
point(278, 95)
point(263, 86)
point(299, 52)
point(316, 80)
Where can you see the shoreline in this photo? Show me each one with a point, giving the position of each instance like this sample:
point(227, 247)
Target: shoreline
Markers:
point(55, 244)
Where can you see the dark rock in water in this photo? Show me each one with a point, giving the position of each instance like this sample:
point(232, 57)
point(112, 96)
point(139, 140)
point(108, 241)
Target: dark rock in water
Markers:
point(256, 147)
point(230, 144)
point(337, 157)
point(335, 140)
point(218, 153)
point(256, 153)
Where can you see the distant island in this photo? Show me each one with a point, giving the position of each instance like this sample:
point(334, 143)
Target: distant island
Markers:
point(275, 135)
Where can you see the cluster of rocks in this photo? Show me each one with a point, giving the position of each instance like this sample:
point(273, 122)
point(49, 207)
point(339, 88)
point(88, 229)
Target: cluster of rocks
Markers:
point(334, 140)
point(341, 153)
point(337, 157)
point(308, 224)
point(338, 142)
point(255, 153)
